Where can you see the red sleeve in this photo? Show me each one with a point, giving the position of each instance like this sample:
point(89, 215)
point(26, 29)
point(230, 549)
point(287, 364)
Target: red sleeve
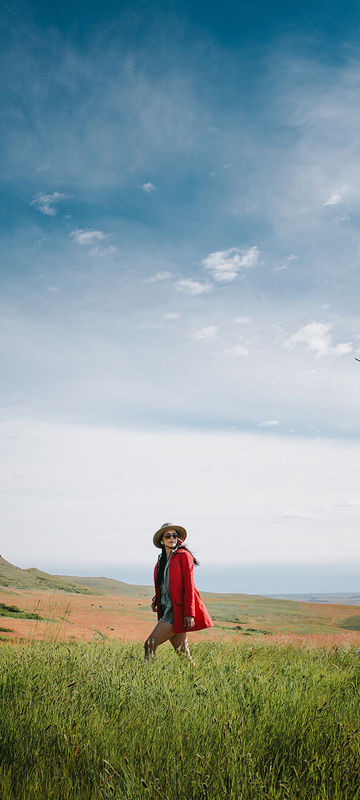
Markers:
point(187, 566)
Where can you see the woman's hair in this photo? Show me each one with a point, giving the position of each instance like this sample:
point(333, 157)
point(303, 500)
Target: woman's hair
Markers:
point(196, 562)
point(163, 559)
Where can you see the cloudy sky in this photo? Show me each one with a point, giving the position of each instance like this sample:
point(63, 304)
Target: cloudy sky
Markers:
point(180, 258)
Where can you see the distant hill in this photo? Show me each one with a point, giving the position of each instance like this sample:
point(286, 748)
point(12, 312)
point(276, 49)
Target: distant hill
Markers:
point(13, 577)
point(16, 578)
point(110, 586)
point(337, 598)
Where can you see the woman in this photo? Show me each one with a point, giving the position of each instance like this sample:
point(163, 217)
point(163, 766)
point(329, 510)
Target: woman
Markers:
point(177, 601)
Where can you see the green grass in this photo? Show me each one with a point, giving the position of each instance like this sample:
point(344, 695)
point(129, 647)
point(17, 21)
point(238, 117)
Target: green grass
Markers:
point(110, 586)
point(84, 722)
point(265, 613)
point(351, 623)
point(14, 611)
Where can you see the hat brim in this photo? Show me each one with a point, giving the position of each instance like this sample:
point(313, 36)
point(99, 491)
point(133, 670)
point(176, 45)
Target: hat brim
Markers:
point(159, 534)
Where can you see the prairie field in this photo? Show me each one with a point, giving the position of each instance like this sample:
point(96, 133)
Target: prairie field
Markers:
point(269, 709)
point(248, 720)
point(57, 615)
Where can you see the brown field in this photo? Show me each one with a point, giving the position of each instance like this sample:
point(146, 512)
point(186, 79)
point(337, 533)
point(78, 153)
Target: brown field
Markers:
point(78, 617)
point(81, 617)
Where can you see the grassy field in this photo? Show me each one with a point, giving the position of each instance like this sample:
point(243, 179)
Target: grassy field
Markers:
point(248, 720)
point(74, 607)
point(59, 615)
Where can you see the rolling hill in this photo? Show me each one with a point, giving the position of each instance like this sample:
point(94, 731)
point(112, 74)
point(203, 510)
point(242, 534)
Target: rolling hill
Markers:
point(13, 577)
point(109, 586)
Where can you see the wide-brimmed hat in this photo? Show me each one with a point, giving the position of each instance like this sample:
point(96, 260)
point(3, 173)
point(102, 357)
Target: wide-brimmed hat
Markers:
point(168, 526)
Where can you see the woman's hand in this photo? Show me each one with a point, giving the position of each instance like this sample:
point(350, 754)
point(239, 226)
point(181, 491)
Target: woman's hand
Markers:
point(189, 622)
point(153, 604)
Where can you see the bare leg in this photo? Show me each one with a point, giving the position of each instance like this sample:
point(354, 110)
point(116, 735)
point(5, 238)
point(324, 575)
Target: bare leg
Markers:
point(162, 632)
point(180, 644)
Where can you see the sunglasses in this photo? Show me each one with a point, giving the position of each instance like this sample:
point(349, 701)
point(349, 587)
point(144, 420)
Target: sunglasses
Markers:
point(171, 535)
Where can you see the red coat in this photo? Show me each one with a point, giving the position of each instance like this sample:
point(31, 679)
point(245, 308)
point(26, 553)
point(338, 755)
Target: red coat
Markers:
point(185, 597)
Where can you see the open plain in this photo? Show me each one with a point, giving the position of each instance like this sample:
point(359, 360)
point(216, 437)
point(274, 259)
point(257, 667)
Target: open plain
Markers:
point(61, 616)
point(38, 606)
point(267, 710)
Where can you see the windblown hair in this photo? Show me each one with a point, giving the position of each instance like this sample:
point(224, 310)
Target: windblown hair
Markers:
point(163, 559)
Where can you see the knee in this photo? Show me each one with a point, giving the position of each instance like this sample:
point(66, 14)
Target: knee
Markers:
point(148, 647)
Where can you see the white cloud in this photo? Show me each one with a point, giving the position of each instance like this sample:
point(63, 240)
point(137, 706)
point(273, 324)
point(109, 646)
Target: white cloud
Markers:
point(87, 237)
point(334, 200)
point(286, 263)
point(45, 203)
point(45, 167)
point(148, 187)
point(172, 315)
point(343, 349)
point(160, 276)
point(188, 286)
point(269, 423)
point(104, 251)
point(239, 351)
point(341, 218)
point(242, 320)
point(226, 264)
point(51, 482)
point(317, 337)
point(204, 334)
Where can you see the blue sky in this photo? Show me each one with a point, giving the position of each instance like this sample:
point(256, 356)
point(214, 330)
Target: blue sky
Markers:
point(180, 244)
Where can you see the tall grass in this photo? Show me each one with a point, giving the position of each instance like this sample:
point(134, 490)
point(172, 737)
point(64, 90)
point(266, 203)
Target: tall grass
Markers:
point(83, 722)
